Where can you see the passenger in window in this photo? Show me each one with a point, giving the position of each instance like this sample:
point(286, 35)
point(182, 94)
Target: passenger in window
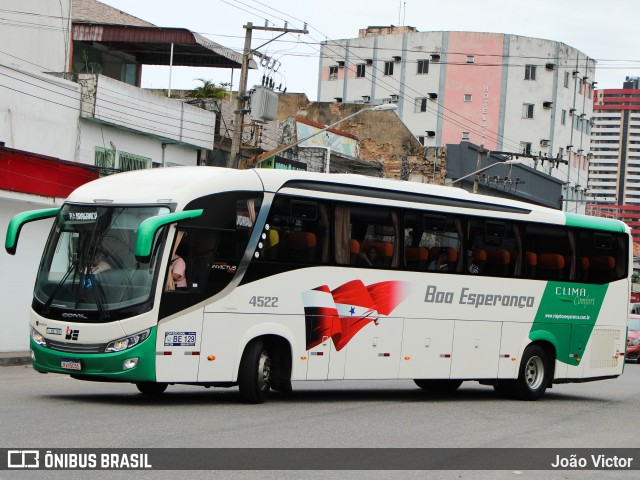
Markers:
point(178, 270)
point(473, 268)
point(441, 264)
point(370, 258)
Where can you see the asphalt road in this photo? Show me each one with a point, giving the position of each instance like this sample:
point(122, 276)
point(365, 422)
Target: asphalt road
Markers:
point(55, 411)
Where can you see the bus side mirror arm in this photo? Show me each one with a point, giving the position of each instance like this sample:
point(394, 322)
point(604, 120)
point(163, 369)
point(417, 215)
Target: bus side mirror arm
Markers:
point(17, 222)
point(149, 227)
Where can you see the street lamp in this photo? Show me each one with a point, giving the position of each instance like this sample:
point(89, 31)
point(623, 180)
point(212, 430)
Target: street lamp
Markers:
point(377, 108)
point(475, 183)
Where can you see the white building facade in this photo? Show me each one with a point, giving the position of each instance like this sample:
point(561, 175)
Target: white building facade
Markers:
point(506, 92)
point(60, 129)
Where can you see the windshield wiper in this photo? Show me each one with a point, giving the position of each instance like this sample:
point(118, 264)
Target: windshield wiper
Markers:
point(59, 286)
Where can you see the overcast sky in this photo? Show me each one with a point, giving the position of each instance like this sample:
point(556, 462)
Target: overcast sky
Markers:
point(606, 31)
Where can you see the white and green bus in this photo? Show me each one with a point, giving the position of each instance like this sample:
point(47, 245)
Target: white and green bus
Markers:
point(301, 276)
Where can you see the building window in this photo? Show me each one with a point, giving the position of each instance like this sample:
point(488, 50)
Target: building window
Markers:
point(130, 161)
point(527, 110)
point(360, 69)
point(333, 72)
point(580, 84)
point(465, 136)
point(525, 148)
point(423, 66)
point(388, 68)
point(471, 59)
point(105, 158)
point(530, 72)
point(563, 117)
point(468, 97)
point(566, 79)
point(421, 139)
point(421, 104)
point(111, 160)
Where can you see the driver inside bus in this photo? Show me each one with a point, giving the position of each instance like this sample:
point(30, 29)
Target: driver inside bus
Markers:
point(99, 264)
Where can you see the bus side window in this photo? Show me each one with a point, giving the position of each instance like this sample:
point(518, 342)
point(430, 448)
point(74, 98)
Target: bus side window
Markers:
point(297, 232)
point(603, 255)
point(376, 230)
point(495, 248)
point(550, 253)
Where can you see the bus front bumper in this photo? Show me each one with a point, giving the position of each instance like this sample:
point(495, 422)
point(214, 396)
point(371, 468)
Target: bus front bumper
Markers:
point(136, 364)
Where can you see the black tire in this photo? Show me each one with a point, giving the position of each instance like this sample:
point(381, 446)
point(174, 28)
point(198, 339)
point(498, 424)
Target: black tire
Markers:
point(534, 375)
point(151, 388)
point(254, 376)
point(443, 386)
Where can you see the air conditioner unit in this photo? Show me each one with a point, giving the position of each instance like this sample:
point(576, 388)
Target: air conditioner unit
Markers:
point(433, 95)
point(430, 133)
point(341, 63)
point(572, 111)
point(547, 104)
point(397, 58)
point(368, 61)
point(550, 66)
point(544, 143)
point(435, 57)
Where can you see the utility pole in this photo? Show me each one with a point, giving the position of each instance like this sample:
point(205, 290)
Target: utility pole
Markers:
point(236, 140)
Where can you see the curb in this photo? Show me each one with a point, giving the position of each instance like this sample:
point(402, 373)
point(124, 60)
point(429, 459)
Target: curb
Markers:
point(10, 359)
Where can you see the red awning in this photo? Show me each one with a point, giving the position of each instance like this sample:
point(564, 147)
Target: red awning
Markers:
point(27, 172)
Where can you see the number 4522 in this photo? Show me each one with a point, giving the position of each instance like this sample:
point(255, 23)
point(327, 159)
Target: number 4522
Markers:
point(264, 301)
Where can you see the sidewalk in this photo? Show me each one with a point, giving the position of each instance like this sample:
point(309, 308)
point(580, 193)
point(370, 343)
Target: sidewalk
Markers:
point(8, 359)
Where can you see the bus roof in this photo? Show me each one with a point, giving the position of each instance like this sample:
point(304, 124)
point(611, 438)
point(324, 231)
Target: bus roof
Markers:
point(180, 185)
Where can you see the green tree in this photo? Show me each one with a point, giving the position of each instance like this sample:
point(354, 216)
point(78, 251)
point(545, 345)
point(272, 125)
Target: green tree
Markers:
point(209, 90)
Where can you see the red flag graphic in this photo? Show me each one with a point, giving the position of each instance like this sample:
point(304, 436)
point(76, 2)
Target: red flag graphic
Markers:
point(343, 312)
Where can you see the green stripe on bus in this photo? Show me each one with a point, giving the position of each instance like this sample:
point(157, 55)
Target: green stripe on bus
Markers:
point(596, 223)
point(566, 317)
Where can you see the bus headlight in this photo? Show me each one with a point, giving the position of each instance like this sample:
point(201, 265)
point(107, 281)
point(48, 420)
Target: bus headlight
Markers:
point(634, 343)
point(127, 342)
point(37, 338)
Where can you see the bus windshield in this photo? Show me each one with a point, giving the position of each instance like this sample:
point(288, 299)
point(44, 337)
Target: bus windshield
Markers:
point(89, 263)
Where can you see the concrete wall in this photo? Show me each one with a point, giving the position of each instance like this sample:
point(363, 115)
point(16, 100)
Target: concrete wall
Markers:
point(37, 32)
point(19, 271)
point(38, 112)
point(110, 101)
point(99, 135)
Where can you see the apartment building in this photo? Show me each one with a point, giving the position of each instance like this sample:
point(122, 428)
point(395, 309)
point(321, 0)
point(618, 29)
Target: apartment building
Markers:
point(508, 93)
point(614, 169)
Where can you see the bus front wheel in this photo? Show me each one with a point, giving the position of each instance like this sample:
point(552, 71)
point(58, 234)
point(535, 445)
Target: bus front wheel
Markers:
point(439, 385)
point(254, 376)
point(151, 388)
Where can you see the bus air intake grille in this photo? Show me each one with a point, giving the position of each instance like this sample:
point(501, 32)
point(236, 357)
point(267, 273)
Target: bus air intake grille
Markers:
point(77, 347)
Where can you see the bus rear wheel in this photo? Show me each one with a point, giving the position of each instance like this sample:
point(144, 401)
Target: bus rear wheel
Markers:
point(254, 376)
point(443, 386)
point(151, 388)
